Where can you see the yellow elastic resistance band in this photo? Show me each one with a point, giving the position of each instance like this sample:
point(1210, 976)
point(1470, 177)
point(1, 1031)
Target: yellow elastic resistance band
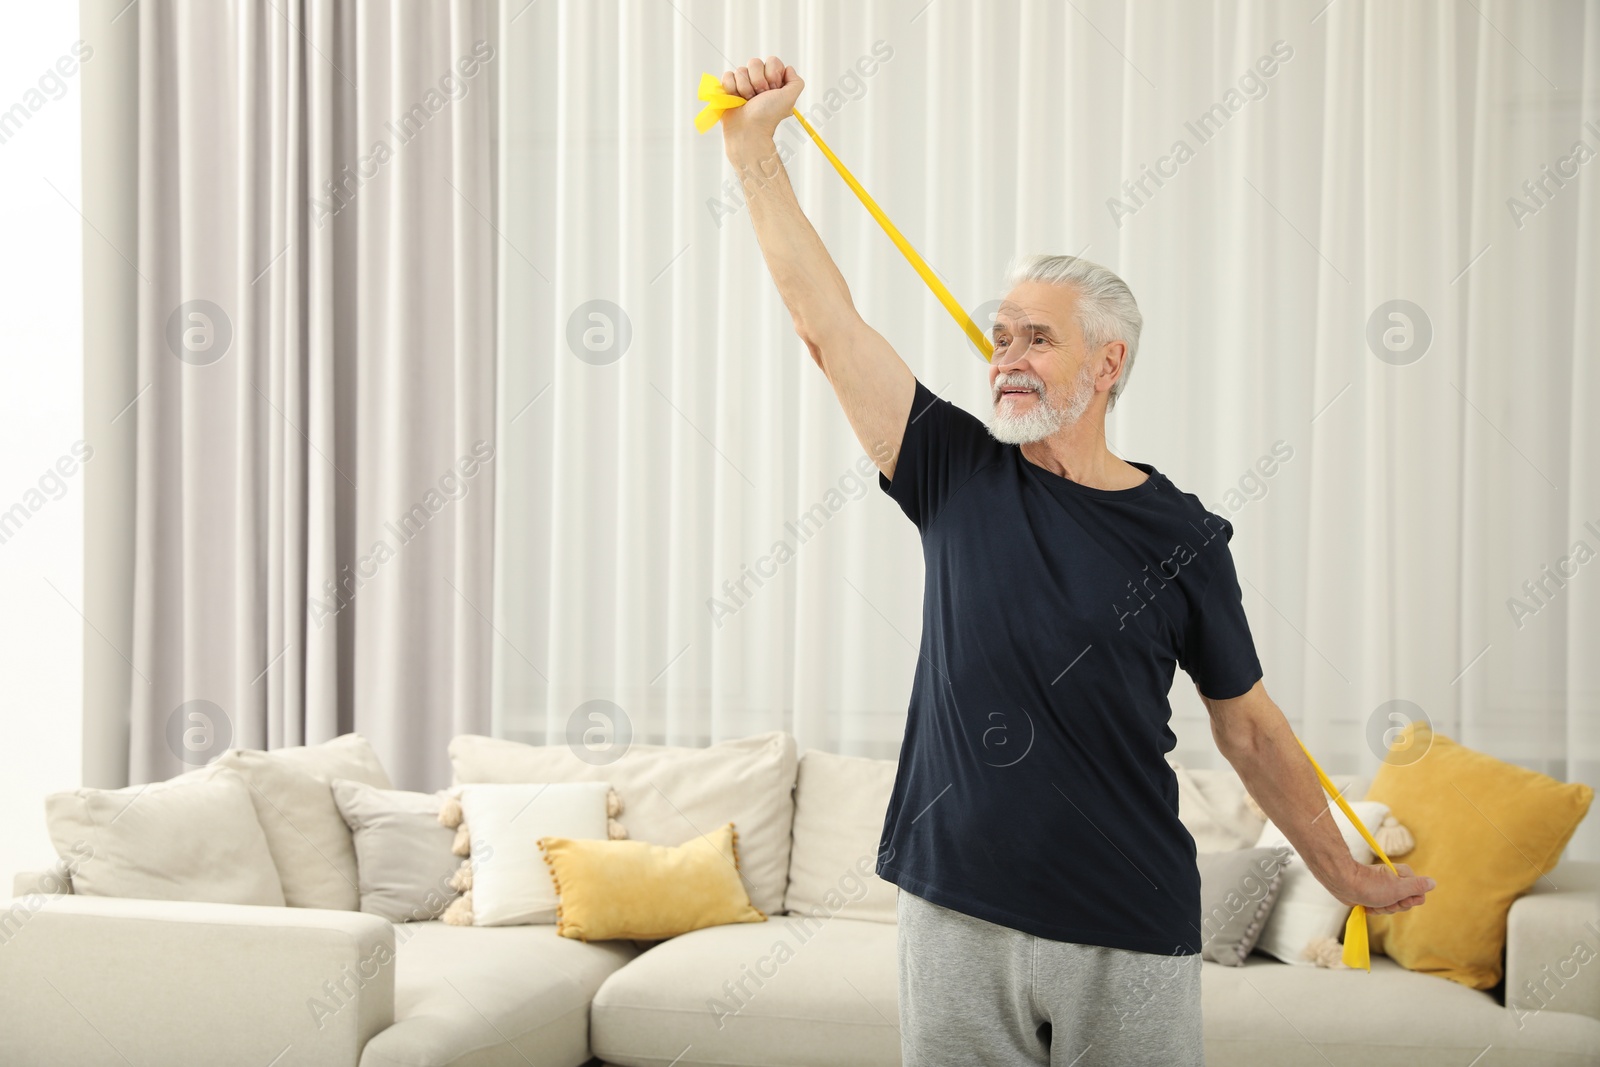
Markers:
point(717, 101)
point(1355, 952)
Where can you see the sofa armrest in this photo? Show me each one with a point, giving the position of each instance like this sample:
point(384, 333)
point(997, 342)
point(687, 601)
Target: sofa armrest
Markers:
point(43, 883)
point(1552, 939)
point(91, 980)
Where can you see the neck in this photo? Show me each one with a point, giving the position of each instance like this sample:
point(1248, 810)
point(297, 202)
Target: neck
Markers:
point(1078, 452)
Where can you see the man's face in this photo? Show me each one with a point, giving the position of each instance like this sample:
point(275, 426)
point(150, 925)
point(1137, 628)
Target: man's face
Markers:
point(1041, 377)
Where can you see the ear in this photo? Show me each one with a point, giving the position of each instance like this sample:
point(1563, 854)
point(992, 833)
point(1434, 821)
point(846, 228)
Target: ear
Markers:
point(1112, 355)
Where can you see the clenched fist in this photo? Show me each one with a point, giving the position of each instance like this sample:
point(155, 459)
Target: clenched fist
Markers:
point(771, 89)
point(1382, 893)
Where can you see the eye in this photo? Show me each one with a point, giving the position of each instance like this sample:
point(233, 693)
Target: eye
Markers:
point(1038, 337)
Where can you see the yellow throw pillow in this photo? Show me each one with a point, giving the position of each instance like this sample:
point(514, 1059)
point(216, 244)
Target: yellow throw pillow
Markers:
point(629, 889)
point(1485, 831)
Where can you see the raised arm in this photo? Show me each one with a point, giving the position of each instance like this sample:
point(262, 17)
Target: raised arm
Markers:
point(872, 382)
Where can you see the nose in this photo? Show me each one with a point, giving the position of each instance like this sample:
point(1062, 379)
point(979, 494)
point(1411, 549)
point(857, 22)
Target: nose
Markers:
point(1011, 353)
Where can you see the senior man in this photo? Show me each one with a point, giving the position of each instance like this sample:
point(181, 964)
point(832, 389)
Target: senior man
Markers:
point(1049, 899)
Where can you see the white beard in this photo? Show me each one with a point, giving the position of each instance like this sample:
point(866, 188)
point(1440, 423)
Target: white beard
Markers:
point(1043, 418)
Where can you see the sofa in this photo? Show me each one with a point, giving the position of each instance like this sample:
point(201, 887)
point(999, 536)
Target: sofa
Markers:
point(88, 980)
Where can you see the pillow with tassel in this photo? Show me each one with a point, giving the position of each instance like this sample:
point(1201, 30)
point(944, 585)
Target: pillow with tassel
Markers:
point(502, 877)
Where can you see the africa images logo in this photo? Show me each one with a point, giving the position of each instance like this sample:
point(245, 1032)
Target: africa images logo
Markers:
point(1166, 570)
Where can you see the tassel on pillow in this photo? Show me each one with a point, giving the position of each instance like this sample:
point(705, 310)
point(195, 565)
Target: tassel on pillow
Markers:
point(1394, 839)
point(614, 829)
point(450, 812)
point(1324, 952)
point(461, 881)
point(459, 913)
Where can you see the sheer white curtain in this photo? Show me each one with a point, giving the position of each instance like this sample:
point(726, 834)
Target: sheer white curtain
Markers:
point(1269, 178)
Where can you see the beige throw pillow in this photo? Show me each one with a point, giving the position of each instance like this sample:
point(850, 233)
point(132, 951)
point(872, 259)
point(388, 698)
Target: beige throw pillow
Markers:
point(194, 837)
point(670, 794)
point(309, 840)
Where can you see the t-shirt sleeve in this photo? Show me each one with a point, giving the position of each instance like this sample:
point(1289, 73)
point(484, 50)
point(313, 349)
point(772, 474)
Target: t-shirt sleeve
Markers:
point(1218, 651)
point(942, 446)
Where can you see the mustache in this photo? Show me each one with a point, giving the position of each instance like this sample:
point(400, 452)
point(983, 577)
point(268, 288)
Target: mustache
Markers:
point(1016, 378)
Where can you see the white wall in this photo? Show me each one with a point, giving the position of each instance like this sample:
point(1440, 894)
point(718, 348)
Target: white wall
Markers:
point(41, 399)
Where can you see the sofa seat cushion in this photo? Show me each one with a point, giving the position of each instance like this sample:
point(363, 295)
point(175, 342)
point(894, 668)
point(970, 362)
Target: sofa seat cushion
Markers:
point(470, 996)
point(1268, 1014)
point(794, 990)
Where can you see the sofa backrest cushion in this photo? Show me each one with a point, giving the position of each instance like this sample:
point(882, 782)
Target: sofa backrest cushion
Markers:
point(348, 756)
point(310, 842)
point(840, 804)
point(671, 794)
point(1212, 805)
point(192, 838)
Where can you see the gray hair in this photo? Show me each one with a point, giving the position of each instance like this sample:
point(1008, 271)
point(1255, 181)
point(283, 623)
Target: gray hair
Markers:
point(1106, 308)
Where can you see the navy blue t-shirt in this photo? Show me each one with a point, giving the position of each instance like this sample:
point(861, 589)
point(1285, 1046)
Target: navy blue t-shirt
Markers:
point(1032, 789)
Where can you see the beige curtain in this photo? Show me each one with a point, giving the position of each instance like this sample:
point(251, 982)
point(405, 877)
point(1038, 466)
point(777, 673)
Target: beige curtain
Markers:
point(312, 421)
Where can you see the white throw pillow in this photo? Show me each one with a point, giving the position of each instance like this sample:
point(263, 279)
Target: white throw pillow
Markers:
point(839, 808)
point(194, 837)
point(1305, 910)
point(511, 882)
point(672, 794)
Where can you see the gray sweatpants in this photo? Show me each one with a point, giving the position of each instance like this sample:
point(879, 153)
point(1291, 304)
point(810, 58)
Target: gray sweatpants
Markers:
point(972, 992)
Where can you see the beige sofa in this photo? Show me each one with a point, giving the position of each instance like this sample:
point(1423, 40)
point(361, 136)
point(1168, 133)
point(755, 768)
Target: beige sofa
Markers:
point(91, 980)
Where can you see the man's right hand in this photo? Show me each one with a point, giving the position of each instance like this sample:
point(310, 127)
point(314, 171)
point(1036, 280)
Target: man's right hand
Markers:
point(1377, 888)
point(771, 90)
point(874, 386)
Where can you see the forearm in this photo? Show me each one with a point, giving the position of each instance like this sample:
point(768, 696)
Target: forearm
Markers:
point(1275, 770)
point(808, 280)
